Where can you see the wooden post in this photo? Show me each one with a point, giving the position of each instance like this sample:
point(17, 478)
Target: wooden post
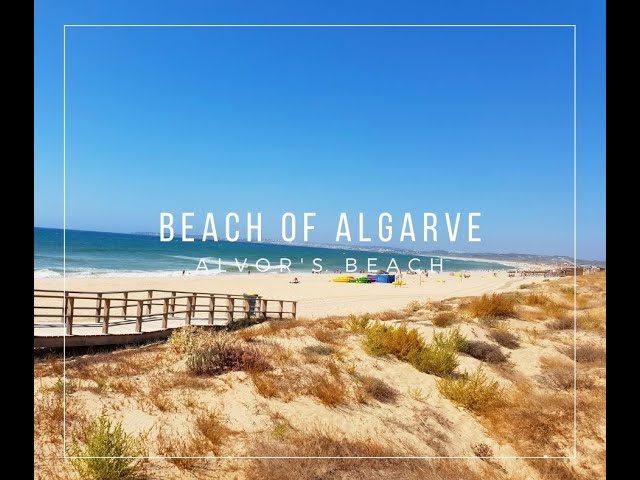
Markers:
point(165, 313)
point(139, 316)
point(294, 308)
point(247, 308)
point(70, 315)
point(124, 305)
point(281, 302)
point(149, 296)
point(263, 309)
point(187, 317)
point(173, 304)
point(230, 307)
point(107, 311)
point(65, 304)
point(193, 305)
point(212, 306)
point(98, 307)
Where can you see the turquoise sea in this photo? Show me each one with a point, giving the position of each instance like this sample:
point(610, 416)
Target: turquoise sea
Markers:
point(118, 254)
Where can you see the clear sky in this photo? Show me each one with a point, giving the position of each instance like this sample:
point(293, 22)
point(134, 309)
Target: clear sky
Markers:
point(325, 119)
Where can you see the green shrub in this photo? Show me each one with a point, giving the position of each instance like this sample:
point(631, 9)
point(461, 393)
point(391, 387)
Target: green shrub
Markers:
point(107, 445)
point(384, 339)
point(434, 359)
point(358, 323)
point(451, 339)
point(475, 392)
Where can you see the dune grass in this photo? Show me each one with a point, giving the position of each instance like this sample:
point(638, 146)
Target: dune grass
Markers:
point(475, 392)
point(491, 306)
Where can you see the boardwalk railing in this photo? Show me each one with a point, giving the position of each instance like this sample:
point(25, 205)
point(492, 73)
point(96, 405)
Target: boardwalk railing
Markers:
point(140, 306)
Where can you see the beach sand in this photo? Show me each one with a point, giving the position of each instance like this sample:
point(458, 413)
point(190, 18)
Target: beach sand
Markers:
point(316, 294)
point(312, 400)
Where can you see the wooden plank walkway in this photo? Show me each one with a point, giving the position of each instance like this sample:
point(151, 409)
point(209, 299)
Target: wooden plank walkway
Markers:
point(120, 317)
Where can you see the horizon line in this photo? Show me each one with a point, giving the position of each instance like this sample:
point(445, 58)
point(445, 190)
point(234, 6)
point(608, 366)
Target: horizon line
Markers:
point(320, 25)
point(321, 244)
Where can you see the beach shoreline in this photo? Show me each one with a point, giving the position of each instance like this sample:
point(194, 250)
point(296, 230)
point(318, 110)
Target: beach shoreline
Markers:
point(317, 295)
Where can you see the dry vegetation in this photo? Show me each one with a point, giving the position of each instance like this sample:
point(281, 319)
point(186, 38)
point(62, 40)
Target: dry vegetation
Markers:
point(399, 382)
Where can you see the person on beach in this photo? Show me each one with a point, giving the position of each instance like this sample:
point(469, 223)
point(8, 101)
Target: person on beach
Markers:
point(295, 280)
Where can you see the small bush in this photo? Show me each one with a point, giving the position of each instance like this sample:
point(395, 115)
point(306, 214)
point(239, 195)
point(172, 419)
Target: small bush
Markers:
point(553, 310)
point(183, 339)
point(412, 307)
point(505, 338)
point(451, 339)
point(568, 291)
point(417, 394)
point(434, 359)
point(524, 286)
point(557, 373)
point(444, 319)
point(484, 351)
point(388, 340)
point(221, 353)
point(536, 300)
point(183, 451)
point(280, 430)
point(318, 350)
point(490, 322)
point(48, 416)
point(560, 324)
point(328, 389)
point(482, 450)
point(475, 392)
point(587, 353)
point(103, 439)
point(213, 429)
point(440, 306)
point(267, 384)
point(372, 387)
point(324, 335)
point(387, 315)
point(491, 306)
point(357, 323)
point(591, 321)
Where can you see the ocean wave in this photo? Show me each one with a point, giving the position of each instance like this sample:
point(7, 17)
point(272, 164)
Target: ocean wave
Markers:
point(45, 273)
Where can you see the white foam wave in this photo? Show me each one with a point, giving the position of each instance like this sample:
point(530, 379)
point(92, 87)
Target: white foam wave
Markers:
point(45, 273)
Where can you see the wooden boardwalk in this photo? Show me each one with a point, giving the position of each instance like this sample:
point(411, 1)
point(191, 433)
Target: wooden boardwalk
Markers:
point(75, 318)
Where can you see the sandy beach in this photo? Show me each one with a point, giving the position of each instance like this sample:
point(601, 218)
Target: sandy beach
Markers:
point(316, 295)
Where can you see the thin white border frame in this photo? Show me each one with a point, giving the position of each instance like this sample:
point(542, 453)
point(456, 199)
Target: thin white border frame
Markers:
point(64, 218)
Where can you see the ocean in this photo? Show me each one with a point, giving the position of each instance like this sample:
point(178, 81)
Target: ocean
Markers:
point(90, 254)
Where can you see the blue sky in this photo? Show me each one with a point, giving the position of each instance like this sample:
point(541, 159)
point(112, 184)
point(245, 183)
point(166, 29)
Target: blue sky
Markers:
point(325, 119)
